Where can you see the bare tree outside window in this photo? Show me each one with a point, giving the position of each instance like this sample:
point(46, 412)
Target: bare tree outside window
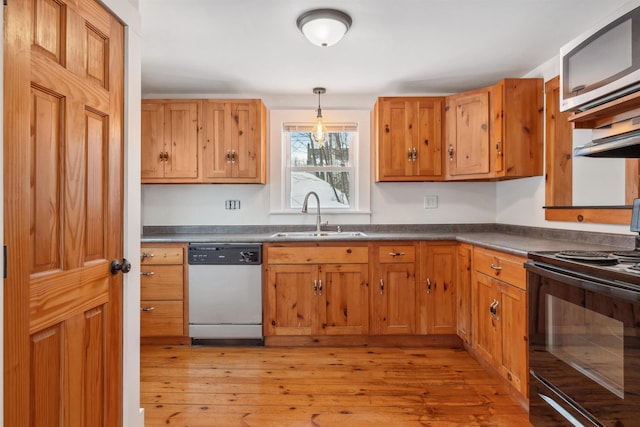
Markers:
point(327, 170)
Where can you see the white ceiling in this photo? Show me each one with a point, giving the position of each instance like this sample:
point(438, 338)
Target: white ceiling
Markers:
point(394, 47)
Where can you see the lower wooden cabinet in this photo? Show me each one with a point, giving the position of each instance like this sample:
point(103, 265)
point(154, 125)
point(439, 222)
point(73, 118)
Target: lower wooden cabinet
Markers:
point(394, 289)
point(163, 293)
point(436, 289)
point(463, 291)
point(500, 314)
point(313, 290)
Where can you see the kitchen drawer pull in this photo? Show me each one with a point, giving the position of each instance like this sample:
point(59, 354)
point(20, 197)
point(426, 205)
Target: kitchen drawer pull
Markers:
point(315, 288)
point(394, 254)
point(381, 287)
point(147, 273)
point(496, 267)
point(147, 308)
point(147, 255)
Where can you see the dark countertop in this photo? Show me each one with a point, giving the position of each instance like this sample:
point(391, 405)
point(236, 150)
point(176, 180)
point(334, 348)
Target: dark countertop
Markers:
point(517, 240)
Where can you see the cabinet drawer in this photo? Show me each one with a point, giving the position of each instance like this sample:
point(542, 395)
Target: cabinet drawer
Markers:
point(318, 255)
point(506, 267)
point(396, 253)
point(161, 255)
point(161, 318)
point(161, 282)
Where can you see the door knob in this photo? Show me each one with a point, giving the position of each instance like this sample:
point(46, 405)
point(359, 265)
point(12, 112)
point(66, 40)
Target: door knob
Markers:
point(116, 266)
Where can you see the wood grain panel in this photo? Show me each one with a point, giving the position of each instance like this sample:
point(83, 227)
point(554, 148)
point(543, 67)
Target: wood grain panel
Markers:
point(93, 387)
point(97, 64)
point(217, 139)
point(513, 315)
point(290, 300)
point(96, 200)
point(429, 137)
point(502, 266)
point(441, 289)
point(344, 304)
point(162, 255)
point(45, 197)
point(50, 29)
point(599, 216)
point(396, 253)
point(317, 255)
point(245, 115)
point(152, 137)
point(46, 371)
point(471, 134)
point(67, 293)
point(181, 136)
point(161, 282)
point(165, 319)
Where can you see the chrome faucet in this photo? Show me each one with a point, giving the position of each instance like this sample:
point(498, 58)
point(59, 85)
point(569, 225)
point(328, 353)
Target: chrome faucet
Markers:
point(304, 208)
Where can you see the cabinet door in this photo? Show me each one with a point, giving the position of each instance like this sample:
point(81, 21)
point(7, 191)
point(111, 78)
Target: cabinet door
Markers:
point(486, 326)
point(152, 140)
point(216, 157)
point(394, 296)
point(428, 138)
point(394, 138)
point(468, 133)
point(181, 140)
point(512, 311)
point(463, 292)
point(344, 299)
point(437, 290)
point(245, 140)
point(290, 301)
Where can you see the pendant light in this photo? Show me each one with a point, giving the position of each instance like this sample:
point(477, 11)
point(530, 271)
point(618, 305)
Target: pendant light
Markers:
point(324, 27)
point(319, 133)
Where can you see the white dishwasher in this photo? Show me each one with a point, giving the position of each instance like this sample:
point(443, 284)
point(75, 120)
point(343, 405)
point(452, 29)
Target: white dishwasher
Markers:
point(225, 291)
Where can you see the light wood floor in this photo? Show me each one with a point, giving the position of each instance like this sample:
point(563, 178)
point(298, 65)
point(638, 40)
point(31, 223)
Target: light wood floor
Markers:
point(320, 387)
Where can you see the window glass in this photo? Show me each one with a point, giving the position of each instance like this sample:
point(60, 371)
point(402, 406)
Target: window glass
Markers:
point(327, 169)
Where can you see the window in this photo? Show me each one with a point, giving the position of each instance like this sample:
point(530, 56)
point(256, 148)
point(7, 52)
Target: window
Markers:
point(328, 170)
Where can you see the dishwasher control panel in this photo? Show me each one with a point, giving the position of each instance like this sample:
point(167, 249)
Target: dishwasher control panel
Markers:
point(224, 253)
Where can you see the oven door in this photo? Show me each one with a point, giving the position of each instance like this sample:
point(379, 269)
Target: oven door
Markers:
point(584, 349)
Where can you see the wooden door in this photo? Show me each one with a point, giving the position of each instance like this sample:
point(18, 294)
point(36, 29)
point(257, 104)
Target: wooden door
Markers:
point(217, 141)
point(513, 316)
point(428, 138)
point(344, 300)
point(63, 106)
point(437, 290)
point(395, 139)
point(395, 299)
point(181, 140)
point(152, 140)
point(463, 292)
point(291, 303)
point(468, 133)
point(245, 140)
point(486, 327)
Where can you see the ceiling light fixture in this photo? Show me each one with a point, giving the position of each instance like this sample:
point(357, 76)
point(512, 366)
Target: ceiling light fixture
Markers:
point(324, 27)
point(319, 133)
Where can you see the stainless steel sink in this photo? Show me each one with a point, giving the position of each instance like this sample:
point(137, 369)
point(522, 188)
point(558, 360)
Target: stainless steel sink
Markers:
point(316, 234)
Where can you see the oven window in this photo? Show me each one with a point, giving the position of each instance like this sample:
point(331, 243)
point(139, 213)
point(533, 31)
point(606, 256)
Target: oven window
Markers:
point(586, 340)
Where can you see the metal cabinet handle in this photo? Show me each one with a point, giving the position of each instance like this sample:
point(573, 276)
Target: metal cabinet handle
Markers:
point(233, 156)
point(493, 309)
point(147, 308)
point(450, 150)
point(147, 273)
point(320, 287)
point(428, 286)
point(381, 286)
point(495, 267)
point(315, 288)
point(409, 156)
point(394, 254)
point(147, 255)
point(414, 154)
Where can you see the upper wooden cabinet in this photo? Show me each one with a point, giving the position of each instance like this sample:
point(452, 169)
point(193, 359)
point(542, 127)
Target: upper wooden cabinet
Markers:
point(169, 138)
point(408, 138)
point(495, 132)
point(203, 141)
point(234, 145)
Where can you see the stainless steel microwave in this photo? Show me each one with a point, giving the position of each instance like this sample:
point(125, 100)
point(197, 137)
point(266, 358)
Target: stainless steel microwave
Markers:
point(602, 64)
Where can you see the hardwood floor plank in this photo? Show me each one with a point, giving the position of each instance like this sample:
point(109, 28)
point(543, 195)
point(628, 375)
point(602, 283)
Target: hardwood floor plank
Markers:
point(321, 387)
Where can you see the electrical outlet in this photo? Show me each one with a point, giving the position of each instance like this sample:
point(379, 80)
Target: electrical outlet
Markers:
point(232, 204)
point(430, 202)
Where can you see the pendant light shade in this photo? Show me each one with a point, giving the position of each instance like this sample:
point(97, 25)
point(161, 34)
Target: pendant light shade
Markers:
point(319, 133)
point(324, 27)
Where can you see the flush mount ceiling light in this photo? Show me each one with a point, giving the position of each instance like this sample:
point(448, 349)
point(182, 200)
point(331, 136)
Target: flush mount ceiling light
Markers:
point(324, 27)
